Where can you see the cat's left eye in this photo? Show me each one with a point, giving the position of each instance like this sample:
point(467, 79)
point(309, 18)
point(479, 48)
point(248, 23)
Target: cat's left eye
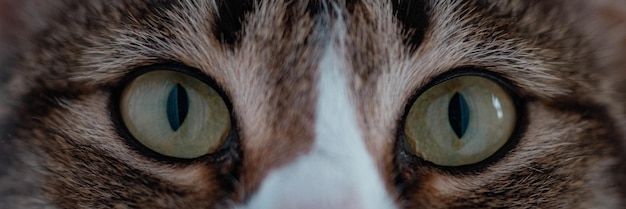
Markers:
point(460, 121)
point(174, 114)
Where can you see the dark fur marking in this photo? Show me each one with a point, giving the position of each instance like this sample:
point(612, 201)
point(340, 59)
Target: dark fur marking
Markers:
point(230, 20)
point(315, 7)
point(39, 102)
point(413, 15)
point(351, 4)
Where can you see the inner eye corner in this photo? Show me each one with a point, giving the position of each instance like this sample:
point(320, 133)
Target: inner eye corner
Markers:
point(177, 110)
point(460, 124)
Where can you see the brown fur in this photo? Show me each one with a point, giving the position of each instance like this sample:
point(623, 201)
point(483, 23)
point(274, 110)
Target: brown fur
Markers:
point(62, 148)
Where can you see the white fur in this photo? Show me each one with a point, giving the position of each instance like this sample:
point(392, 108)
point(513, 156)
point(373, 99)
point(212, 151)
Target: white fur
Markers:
point(338, 172)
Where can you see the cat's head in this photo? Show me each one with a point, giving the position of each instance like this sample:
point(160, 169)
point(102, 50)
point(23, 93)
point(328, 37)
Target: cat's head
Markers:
point(312, 104)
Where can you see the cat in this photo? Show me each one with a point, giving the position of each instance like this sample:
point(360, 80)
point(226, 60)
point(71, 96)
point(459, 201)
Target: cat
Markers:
point(312, 104)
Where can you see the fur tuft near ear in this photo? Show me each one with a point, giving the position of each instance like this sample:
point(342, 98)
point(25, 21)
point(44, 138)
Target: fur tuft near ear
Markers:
point(10, 27)
point(20, 21)
point(604, 21)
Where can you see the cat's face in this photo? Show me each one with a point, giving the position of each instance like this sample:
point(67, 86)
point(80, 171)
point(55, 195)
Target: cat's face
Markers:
point(311, 104)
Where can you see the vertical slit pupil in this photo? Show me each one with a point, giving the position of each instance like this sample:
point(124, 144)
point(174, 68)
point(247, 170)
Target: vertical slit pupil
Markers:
point(177, 106)
point(458, 114)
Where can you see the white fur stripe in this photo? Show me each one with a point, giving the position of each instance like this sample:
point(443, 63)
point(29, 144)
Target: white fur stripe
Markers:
point(338, 172)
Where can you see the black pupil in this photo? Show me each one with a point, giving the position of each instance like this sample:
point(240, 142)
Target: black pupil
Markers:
point(177, 106)
point(458, 114)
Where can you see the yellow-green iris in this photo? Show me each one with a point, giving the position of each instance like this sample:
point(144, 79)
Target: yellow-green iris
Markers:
point(461, 121)
point(175, 114)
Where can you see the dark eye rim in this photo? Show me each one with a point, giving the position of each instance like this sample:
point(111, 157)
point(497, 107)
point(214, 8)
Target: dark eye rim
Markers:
point(405, 157)
point(229, 148)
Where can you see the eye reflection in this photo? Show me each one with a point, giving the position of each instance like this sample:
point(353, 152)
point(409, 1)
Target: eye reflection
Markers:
point(498, 106)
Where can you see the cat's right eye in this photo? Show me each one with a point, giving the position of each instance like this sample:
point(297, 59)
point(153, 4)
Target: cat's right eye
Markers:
point(460, 121)
point(174, 114)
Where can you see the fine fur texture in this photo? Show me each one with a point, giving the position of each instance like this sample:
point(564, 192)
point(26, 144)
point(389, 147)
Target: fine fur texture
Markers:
point(63, 62)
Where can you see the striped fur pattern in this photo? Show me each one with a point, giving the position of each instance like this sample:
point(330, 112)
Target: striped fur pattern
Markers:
point(318, 91)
